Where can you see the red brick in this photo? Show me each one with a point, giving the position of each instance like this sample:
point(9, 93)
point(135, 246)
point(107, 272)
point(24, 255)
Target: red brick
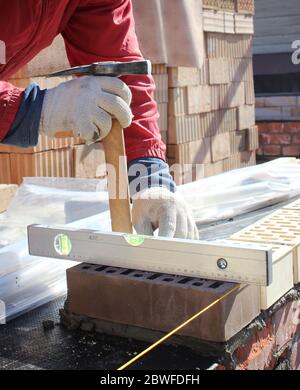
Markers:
point(281, 139)
point(286, 322)
point(296, 139)
point(271, 127)
point(275, 139)
point(292, 127)
point(272, 150)
point(258, 353)
point(259, 152)
point(295, 354)
point(264, 139)
point(161, 304)
point(292, 150)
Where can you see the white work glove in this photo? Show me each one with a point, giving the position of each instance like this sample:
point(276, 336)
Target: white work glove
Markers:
point(160, 208)
point(86, 106)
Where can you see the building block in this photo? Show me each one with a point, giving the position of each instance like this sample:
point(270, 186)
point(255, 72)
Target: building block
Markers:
point(198, 99)
point(280, 227)
point(218, 71)
point(89, 161)
point(220, 146)
point(196, 152)
point(246, 117)
point(160, 302)
point(282, 256)
point(183, 76)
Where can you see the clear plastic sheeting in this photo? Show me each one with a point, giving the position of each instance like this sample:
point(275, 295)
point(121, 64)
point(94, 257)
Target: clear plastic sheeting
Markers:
point(243, 190)
point(51, 200)
point(27, 282)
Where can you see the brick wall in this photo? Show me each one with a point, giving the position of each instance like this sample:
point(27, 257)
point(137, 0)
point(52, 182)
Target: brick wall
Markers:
point(278, 139)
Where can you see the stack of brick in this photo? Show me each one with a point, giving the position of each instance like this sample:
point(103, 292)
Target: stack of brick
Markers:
point(160, 75)
point(211, 110)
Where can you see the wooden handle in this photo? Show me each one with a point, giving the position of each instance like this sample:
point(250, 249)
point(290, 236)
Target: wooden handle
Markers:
point(119, 200)
point(115, 156)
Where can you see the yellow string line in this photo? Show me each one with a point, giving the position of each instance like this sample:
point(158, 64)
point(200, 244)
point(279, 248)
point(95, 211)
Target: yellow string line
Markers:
point(167, 336)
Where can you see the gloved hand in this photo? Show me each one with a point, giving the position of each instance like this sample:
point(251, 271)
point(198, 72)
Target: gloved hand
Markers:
point(85, 106)
point(157, 207)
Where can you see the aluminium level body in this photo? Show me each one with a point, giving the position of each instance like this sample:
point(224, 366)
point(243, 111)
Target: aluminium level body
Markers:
point(209, 260)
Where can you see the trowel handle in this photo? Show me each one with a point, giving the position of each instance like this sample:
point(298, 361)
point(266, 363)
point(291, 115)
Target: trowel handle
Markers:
point(118, 189)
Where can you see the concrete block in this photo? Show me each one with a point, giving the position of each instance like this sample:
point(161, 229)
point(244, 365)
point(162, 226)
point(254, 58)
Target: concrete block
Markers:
point(220, 146)
point(160, 302)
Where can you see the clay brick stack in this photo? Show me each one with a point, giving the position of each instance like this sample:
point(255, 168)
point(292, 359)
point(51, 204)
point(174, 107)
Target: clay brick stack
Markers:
point(160, 75)
point(211, 110)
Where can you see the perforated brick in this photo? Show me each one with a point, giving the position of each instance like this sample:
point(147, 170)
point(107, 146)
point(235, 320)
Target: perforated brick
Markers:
point(281, 227)
point(160, 302)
